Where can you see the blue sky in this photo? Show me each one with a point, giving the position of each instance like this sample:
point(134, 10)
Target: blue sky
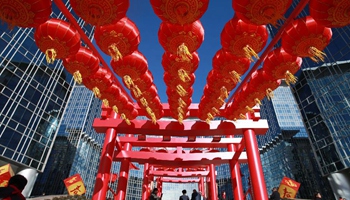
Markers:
point(213, 21)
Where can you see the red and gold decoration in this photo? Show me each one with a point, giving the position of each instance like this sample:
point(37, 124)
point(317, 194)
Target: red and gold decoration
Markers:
point(179, 11)
point(181, 40)
point(281, 65)
point(25, 13)
point(82, 64)
point(99, 81)
point(288, 188)
point(263, 84)
point(110, 95)
point(261, 12)
point(118, 39)
point(6, 173)
point(304, 37)
point(102, 12)
point(243, 39)
point(330, 13)
point(75, 185)
point(128, 112)
point(228, 65)
point(57, 39)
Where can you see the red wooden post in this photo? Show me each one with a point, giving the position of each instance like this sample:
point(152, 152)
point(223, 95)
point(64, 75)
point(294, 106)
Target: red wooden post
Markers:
point(104, 169)
point(145, 182)
point(235, 174)
point(123, 174)
point(254, 164)
point(213, 190)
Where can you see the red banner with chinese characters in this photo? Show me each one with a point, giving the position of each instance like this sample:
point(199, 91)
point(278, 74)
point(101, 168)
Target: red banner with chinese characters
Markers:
point(6, 173)
point(75, 185)
point(288, 188)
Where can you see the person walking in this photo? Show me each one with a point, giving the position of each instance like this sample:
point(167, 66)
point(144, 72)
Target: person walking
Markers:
point(195, 195)
point(184, 196)
point(14, 189)
point(275, 195)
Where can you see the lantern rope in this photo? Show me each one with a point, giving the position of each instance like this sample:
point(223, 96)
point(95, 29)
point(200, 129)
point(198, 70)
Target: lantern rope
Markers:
point(249, 109)
point(105, 102)
point(290, 78)
point(269, 93)
point(128, 81)
point(242, 116)
point(115, 109)
point(183, 75)
point(96, 92)
point(317, 55)
point(182, 103)
point(123, 116)
point(215, 110)
point(209, 118)
point(114, 52)
point(180, 118)
point(249, 53)
point(77, 77)
point(257, 101)
point(180, 90)
point(235, 76)
point(184, 53)
point(180, 110)
point(152, 115)
point(50, 55)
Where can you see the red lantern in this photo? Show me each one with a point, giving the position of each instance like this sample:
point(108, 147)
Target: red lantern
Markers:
point(118, 39)
point(181, 40)
point(174, 65)
point(176, 93)
point(99, 81)
point(330, 13)
point(179, 12)
point(110, 95)
point(227, 64)
point(179, 113)
point(57, 39)
point(102, 12)
point(208, 109)
point(154, 108)
point(280, 64)
point(150, 93)
point(221, 93)
point(304, 37)
point(243, 39)
point(81, 65)
point(234, 112)
point(263, 84)
point(128, 112)
point(261, 12)
point(215, 80)
point(177, 84)
point(184, 103)
point(141, 84)
point(113, 101)
point(25, 13)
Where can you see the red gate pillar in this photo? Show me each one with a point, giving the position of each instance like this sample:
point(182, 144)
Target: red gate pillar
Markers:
point(254, 163)
point(123, 174)
point(104, 169)
point(202, 187)
point(235, 174)
point(145, 182)
point(213, 189)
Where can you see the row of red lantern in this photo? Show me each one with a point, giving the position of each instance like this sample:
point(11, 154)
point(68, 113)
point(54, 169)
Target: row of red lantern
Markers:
point(180, 37)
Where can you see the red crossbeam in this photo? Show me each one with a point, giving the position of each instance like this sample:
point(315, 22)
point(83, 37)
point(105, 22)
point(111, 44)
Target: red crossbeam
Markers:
point(179, 174)
point(172, 180)
point(179, 159)
point(175, 142)
point(188, 128)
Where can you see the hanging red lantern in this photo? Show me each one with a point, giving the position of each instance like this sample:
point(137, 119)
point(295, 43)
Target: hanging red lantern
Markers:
point(141, 84)
point(227, 64)
point(179, 113)
point(57, 39)
point(208, 108)
point(111, 94)
point(177, 84)
point(179, 12)
point(181, 102)
point(128, 112)
point(115, 102)
point(174, 65)
point(234, 112)
point(150, 93)
point(154, 109)
point(243, 39)
point(281, 65)
point(219, 93)
point(99, 81)
point(82, 64)
point(261, 12)
point(25, 13)
point(118, 39)
point(181, 40)
point(304, 37)
point(176, 93)
point(215, 80)
point(263, 84)
point(330, 13)
point(102, 12)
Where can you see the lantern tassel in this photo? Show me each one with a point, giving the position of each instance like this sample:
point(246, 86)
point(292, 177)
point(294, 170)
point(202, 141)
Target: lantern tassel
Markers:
point(269, 94)
point(182, 103)
point(249, 109)
point(105, 102)
point(317, 55)
point(50, 55)
point(223, 92)
point(123, 116)
point(235, 76)
point(115, 109)
point(184, 53)
point(152, 115)
point(96, 92)
point(180, 90)
point(128, 81)
point(183, 75)
point(77, 77)
point(249, 53)
point(136, 90)
point(257, 101)
point(180, 118)
point(215, 110)
point(290, 78)
point(241, 116)
point(180, 110)
point(114, 52)
point(144, 102)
